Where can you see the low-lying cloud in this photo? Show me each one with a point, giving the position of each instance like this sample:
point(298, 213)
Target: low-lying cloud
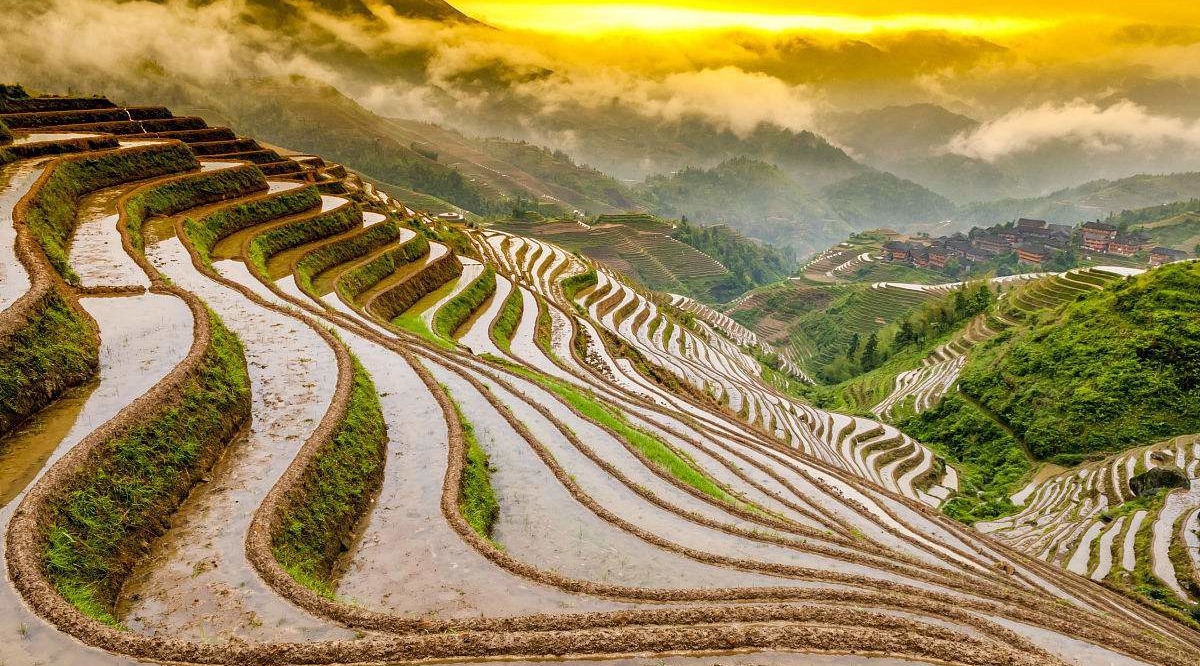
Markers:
point(1099, 129)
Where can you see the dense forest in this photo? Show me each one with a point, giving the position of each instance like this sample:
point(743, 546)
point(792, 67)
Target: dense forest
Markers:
point(750, 263)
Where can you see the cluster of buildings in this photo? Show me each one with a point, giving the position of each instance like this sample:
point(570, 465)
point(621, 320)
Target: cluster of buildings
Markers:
point(1033, 242)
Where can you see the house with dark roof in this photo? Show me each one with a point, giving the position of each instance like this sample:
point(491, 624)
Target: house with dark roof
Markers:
point(1127, 245)
point(1096, 235)
point(1032, 253)
point(1165, 255)
point(1032, 229)
point(897, 251)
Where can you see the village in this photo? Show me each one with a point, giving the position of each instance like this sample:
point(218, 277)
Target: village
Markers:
point(1029, 242)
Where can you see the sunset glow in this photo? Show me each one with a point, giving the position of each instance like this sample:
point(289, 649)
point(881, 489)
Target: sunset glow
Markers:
point(602, 17)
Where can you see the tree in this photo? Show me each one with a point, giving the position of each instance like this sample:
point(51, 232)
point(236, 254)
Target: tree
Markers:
point(906, 335)
point(870, 352)
point(960, 303)
point(854, 343)
point(982, 300)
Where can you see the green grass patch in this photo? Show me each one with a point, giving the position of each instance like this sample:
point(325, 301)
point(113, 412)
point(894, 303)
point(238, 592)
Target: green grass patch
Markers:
point(359, 279)
point(477, 503)
point(52, 213)
point(509, 318)
point(205, 233)
point(180, 195)
point(56, 350)
point(339, 252)
point(336, 493)
point(989, 461)
point(301, 232)
point(459, 309)
point(676, 464)
point(1115, 369)
point(576, 283)
point(120, 501)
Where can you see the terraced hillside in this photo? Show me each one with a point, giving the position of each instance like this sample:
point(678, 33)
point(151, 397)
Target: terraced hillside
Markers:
point(281, 422)
point(1114, 519)
point(639, 246)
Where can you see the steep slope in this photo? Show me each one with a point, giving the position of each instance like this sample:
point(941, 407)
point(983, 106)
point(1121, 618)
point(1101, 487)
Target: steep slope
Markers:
point(1120, 367)
point(485, 176)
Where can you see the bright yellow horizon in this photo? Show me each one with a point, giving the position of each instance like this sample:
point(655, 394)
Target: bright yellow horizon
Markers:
point(851, 17)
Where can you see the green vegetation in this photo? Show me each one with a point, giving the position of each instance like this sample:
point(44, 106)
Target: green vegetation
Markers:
point(577, 283)
point(207, 232)
point(287, 111)
point(189, 192)
point(55, 350)
point(935, 323)
point(1143, 581)
point(758, 199)
point(658, 452)
point(866, 312)
point(477, 503)
point(118, 503)
point(302, 231)
point(750, 263)
point(459, 309)
point(52, 213)
point(1116, 368)
point(597, 190)
point(1069, 206)
point(339, 252)
point(357, 280)
point(989, 460)
point(321, 517)
point(874, 197)
point(5, 135)
point(509, 318)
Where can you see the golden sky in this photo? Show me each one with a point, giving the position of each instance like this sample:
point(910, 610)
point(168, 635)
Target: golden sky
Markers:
point(838, 16)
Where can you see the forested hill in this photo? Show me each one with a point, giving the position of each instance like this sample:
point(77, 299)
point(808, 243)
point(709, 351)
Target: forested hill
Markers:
point(1118, 368)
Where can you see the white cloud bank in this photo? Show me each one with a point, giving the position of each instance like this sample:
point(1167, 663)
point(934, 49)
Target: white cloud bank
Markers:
point(1109, 129)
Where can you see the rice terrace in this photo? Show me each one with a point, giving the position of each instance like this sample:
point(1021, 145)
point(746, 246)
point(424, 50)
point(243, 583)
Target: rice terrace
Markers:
point(389, 332)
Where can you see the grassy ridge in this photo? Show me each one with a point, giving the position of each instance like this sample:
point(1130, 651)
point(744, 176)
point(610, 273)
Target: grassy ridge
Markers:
point(52, 214)
point(459, 309)
point(198, 190)
point(337, 492)
point(117, 504)
point(206, 232)
point(478, 503)
point(650, 446)
point(576, 283)
point(294, 234)
point(1117, 368)
point(336, 253)
point(56, 347)
point(359, 279)
point(5, 135)
point(54, 351)
point(509, 318)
